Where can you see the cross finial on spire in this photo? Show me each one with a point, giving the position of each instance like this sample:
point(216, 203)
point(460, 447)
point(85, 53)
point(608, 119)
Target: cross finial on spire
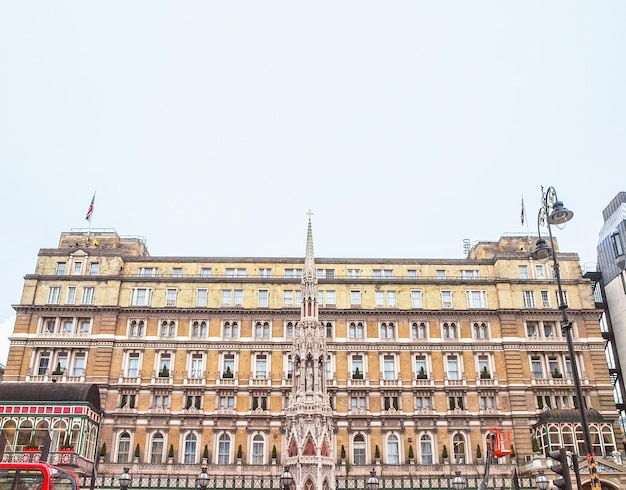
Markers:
point(309, 214)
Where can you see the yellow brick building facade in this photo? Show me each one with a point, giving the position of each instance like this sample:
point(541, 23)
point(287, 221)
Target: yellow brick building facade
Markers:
point(192, 354)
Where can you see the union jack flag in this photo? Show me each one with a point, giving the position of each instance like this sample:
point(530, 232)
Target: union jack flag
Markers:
point(90, 210)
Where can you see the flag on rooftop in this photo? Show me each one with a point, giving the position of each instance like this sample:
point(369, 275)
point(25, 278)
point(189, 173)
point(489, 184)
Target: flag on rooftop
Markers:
point(90, 210)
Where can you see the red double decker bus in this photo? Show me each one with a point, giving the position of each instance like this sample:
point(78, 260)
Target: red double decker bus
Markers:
point(36, 476)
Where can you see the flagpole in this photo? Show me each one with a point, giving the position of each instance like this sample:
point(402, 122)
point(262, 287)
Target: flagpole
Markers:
point(90, 215)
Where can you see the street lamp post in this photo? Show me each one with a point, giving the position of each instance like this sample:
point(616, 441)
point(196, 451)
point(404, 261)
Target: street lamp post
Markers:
point(372, 482)
point(202, 480)
point(286, 479)
point(553, 212)
point(125, 479)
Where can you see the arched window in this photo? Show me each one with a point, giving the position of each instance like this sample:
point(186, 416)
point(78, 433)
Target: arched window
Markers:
point(168, 329)
point(290, 328)
point(223, 449)
point(358, 450)
point(458, 447)
point(426, 449)
point(595, 440)
point(199, 329)
point(393, 450)
point(567, 432)
point(156, 449)
point(191, 443)
point(608, 439)
point(258, 449)
point(123, 448)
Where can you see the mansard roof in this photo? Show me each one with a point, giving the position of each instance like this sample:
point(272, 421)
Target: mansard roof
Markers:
point(57, 393)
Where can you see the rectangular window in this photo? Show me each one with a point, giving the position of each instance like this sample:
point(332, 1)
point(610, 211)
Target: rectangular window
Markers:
point(227, 403)
point(545, 299)
point(355, 297)
point(44, 363)
point(453, 367)
point(84, 325)
point(293, 273)
point(470, 274)
point(416, 299)
point(49, 325)
point(354, 273)
point(88, 295)
point(265, 272)
point(539, 271)
point(422, 403)
point(170, 297)
point(160, 401)
point(177, 272)
point(77, 269)
point(380, 298)
point(357, 366)
point(71, 295)
point(476, 299)
point(535, 366)
point(201, 297)
point(330, 298)
point(389, 367)
point(54, 295)
point(264, 295)
point(618, 247)
point(206, 272)
point(523, 271)
point(558, 299)
point(391, 402)
point(79, 364)
point(67, 325)
point(391, 299)
point(421, 369)
point(228, 370)
point(133, 365)
point(148, 272)
point(380, 273)
point(259, 402)
point(236, 272)
point(357, 403)
point(140, 296)
point(94, 268)
point(446, 299)
point(487, 403)
point(197, 366)
point(288, 298)
point(60, 270)
point(411, 274)
point(529, 299)
point(261, 366)
point(232, 297)
point(441, 274)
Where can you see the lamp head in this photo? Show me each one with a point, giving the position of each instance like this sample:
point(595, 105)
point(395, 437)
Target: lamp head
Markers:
point(459, 482)
point(560, 215)
point(202, 481)
point(372, 482)
point(286, 478)
point(542, 251)
point(125, 479)
point(542, 482)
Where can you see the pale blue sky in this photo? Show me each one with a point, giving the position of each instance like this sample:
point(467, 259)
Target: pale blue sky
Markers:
point(212, 127)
